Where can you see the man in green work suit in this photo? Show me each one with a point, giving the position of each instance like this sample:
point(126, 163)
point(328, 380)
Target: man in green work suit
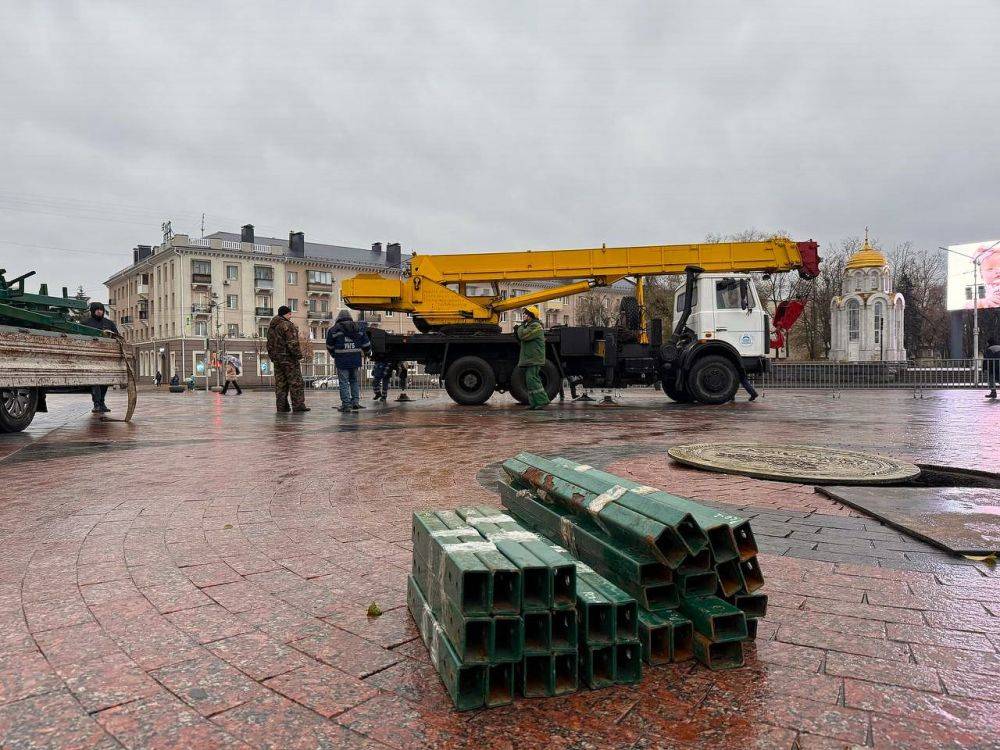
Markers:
point(532, 337)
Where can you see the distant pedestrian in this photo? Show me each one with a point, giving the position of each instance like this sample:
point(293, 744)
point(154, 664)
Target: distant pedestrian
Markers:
point(98, 319)
point(532, 338)
point(381, 373)
point(285, 352)
point(345, 341)
point(747, 385)
point(158, 378)
point(232, 372)
point(991, 365)
point(175, 379)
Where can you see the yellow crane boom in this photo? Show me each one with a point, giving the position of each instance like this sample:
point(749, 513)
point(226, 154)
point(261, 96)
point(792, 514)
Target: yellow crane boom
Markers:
point(434, 292)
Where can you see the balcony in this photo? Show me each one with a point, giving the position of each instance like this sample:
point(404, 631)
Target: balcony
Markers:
point(142, 289)
point(264, 312)
point(319, 315)
point(144, 315)
point(200, 309)
point(315, 286)
point(201, 279)
point(125, 320)
point(370, 317)
point(263, 283)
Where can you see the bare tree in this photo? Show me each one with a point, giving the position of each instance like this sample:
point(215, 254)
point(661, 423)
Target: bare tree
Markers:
point(592, 311)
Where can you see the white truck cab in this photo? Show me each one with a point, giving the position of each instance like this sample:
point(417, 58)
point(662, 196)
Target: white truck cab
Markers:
point(725, 307)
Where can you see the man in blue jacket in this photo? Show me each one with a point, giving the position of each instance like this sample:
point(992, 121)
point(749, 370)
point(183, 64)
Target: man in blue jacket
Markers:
point(345, 341)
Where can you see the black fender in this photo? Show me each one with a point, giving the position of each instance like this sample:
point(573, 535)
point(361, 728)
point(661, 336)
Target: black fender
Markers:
point(699, 349)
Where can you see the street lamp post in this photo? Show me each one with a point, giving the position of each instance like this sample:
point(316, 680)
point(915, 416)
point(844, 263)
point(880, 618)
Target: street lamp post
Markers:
point(976, 263)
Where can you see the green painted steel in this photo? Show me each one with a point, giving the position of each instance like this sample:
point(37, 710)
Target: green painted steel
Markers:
point(754, 606)
point(753, 579)
point(752, 629)
point(536, 676)
point(681, 635)
point(628, 662)
point(466, 684)
point(718, 654)
point(500, 684)
point(665, 637)
point(638, 573)
point(507, 641)
point(595, 614)
point(566, 672)
point(40, 311)
point(697, 584)
point(669, 536)
point(565, 630)
point(597, 666)
point(715, 618)
point(624, 607)
point(471, 637)
point(537, 632)
point(730, 577)
point(505, 578)
point(729, 535)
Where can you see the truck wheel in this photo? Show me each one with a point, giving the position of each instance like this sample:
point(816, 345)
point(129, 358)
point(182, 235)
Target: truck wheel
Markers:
point(713, 380)
point(470, 381)
point(549, 374)
point(17, 408)
point(680, 395)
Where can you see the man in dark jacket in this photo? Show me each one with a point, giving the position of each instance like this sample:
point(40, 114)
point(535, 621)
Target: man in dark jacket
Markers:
point(991, 365)
point(345, 341)
point(532, 337)
point(98, 319)
point(285, 352)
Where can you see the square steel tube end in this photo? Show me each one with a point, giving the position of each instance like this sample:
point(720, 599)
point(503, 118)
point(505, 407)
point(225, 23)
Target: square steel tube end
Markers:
point(506, 591)
point(626, 621)
point(752, 630)
point(469, 635)
point(681, 641)
point(744, 540)
point(597, 621)
point(654, 572)
point(732, 627)
point(466, 683)
point(655, 637)
point(508, 639)
point(566, 667)
point(537, 632)
point(536, 678)
point(564, 587)
point(499, 684)
point(730, 576)
point(753, 579)
point(660, 596)
point(598, 666)
point(714, 618)
point(628, 662)
point(723, 543)
point(691, 533)
point(536, 591)
point(753, 605)
point(696, 563)
point(670, 547)
point(697, 584)
point(565, 635)
point(718, 655)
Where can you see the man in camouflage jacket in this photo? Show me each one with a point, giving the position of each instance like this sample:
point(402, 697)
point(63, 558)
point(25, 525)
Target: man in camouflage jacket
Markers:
point(285, 352)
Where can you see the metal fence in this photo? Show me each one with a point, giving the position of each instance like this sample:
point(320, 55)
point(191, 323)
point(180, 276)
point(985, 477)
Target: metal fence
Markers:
point(324, 375)
point(916, 376)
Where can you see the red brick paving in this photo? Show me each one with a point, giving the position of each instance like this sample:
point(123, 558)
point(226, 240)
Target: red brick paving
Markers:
point(200, 579)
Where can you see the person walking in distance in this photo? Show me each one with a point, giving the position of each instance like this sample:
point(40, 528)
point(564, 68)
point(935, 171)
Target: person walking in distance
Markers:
point(345, 341)
point(532, 337)
point(98, 319)
point(232, 372)
point(285, 352)
point(381, 373)
point(991, 365)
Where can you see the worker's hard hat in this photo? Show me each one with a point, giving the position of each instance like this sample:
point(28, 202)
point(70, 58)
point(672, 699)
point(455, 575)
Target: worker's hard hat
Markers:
point(533, 311)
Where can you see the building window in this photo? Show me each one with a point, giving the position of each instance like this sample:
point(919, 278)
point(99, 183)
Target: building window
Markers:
point(319, 277)
point(388, 313)
point(293, 277)
point(857, 282)
point(879, 321)
point(232, 301)
point(201, 267)
point(233, 330)
point(293, 304)
point(263, 273)
point(324, 305)
point(232, 272)
point(853, 320)
point(262, 331)
point(200, 328)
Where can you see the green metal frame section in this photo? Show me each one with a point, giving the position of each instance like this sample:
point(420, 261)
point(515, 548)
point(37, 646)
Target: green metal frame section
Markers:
point(40, 311)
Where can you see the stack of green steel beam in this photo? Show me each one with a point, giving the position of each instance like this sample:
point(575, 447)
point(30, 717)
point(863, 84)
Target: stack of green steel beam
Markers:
point(610, 651)
point(692, 569)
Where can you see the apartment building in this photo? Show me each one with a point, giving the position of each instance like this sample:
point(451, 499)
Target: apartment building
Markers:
point(183, 303)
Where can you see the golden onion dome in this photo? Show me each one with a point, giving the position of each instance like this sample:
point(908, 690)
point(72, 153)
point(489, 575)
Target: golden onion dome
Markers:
point(866, 257)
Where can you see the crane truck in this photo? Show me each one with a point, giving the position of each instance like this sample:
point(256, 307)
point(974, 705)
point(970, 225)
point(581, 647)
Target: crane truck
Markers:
point(721, 330)
point(43, 349)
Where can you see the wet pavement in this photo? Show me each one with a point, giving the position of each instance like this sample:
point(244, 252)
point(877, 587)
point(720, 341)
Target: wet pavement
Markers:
point(200, 578)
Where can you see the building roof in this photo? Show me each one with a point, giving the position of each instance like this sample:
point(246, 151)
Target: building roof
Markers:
point(866, 257)
point(338, 253)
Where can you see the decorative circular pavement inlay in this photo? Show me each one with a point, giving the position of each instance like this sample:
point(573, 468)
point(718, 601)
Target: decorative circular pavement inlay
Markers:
point(809, 464)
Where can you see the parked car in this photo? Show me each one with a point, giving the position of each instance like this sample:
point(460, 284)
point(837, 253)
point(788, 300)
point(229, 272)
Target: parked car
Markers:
point(330, 382)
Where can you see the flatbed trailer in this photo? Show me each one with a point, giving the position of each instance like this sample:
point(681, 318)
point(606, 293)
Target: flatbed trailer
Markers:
point(35, 362)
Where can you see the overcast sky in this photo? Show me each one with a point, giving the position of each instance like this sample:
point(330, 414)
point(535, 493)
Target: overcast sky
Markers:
point(503, 125)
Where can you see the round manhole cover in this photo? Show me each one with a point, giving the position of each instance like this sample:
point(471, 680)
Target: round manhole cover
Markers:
point(810, 464)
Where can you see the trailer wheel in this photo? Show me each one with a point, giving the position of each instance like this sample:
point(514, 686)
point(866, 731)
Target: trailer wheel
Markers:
point(713, 379)
point(470, 381)
point(680, 395)
point(549, 374)
point(17, 408)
